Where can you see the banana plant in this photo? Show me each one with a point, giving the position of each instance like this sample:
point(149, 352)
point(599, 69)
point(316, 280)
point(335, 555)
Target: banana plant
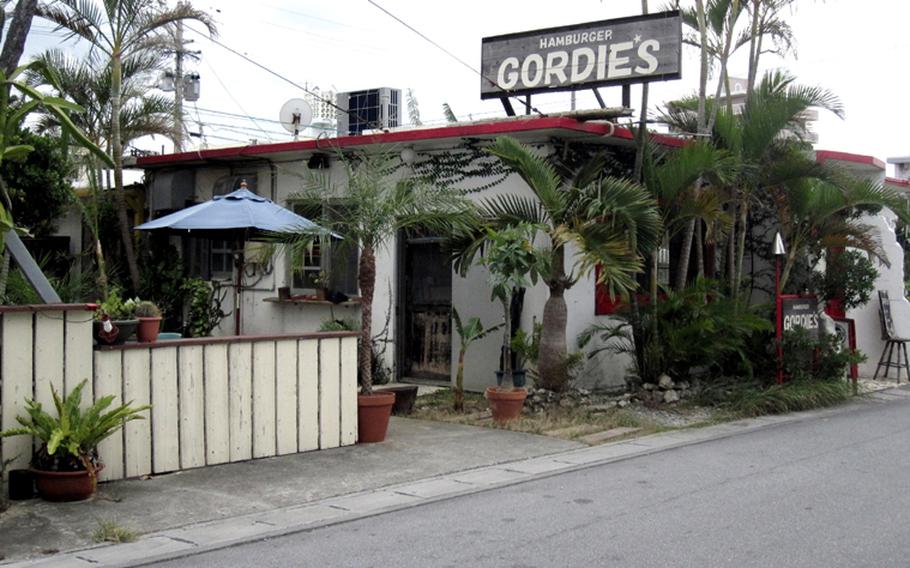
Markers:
point(470, 332)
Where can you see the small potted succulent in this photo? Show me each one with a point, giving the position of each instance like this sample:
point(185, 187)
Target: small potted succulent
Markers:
point(115, 319)
point(66, 465)
point(149, 316)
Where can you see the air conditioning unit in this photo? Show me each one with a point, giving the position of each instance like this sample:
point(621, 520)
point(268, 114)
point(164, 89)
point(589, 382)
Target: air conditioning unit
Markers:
point(371, 109)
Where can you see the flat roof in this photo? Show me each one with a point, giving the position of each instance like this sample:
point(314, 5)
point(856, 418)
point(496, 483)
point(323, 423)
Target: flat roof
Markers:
point(525, 127)
point(862, 161)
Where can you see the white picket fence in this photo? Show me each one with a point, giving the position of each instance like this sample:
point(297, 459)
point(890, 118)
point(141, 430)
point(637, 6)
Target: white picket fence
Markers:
point(214, 401)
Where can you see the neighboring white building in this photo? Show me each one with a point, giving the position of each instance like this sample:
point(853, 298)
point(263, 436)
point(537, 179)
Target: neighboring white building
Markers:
point(890, 278)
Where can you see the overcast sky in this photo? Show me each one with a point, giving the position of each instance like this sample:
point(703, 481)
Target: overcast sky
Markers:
point(859, 50)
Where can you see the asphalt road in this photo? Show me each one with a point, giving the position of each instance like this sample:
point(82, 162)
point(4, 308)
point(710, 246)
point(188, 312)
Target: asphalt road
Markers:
point(825, 492)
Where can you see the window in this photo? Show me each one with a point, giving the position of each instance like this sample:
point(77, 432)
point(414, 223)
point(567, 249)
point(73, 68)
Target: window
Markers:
point(222, 258)
point(336, 260)
point(221, 251)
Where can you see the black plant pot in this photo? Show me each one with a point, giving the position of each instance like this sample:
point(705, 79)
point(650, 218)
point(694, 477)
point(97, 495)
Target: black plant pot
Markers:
point(519, 378)
point(127, 328)
point(21, 485)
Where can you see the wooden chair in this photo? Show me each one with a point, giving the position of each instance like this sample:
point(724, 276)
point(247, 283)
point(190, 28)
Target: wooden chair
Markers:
point(891, 341)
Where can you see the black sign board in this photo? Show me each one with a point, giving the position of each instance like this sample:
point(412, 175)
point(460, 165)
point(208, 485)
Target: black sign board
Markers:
point(608, 52)
point(800, 312)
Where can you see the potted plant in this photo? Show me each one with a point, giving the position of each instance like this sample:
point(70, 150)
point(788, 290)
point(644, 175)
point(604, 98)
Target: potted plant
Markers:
point(513, 263)
point(321, 282)
point(149, 316)
point(115, 319)
point(468, 333)
point(525, 347)
point(66, 465)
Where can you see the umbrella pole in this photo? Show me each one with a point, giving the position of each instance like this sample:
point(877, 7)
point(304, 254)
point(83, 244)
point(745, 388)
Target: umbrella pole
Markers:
point(238, 286)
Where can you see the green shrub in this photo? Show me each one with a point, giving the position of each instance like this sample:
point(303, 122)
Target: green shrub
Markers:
point(696, 329)
point(205, 312)
point(850, 276)
point(822, 359)
point(339, 325)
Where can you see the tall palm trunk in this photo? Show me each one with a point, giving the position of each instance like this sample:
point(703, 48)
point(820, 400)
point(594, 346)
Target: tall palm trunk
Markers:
point(367, 279)
point(553, 348)
point(741, 246)
point(685, 251)
point(508, 381)
point(117, 151)
point(754, 46)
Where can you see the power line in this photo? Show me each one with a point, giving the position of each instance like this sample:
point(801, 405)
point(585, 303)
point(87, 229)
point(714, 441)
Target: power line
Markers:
point(452, 55)
point(236, 102)
point(282, 77)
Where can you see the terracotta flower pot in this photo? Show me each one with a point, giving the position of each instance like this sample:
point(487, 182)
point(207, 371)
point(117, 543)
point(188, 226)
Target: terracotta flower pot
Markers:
point(505, 404)
point(373, 411)
point(147, 332)
point(66, 485)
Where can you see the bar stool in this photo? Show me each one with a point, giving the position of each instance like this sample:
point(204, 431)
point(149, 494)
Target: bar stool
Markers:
point(891, 341)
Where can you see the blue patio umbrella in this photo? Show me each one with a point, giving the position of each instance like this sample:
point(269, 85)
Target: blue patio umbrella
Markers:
point(238, 216)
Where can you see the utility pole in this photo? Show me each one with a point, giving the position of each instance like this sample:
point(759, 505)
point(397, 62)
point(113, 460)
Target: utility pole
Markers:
point(178, 88)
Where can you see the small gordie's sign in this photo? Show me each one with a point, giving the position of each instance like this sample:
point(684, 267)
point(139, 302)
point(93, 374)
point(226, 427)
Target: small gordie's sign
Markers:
point(800, 312)
point(620, 51)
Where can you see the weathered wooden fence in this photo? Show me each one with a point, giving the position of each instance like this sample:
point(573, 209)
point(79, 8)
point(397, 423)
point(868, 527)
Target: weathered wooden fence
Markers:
point(214, 400)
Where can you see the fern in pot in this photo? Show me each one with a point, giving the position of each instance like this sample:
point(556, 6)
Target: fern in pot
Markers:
point(67, 463)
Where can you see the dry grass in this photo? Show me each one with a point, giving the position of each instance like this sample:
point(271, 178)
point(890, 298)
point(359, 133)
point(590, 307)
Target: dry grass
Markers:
point(565, 423)
point(109, 531)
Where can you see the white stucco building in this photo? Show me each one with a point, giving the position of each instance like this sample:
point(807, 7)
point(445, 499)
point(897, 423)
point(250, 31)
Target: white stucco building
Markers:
point(416, 286)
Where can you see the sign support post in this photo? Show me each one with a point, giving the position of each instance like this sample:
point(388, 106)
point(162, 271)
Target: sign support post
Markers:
point(779, 252)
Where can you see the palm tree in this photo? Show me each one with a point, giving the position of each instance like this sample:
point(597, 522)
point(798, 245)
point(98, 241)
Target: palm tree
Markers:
point(608, 221)
point(87, 82)
point(764, 139)
point(369, 212)
point(816, 215)
point(119, 31)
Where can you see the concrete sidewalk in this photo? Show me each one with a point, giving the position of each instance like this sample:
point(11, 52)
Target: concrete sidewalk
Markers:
point(415, 449)
point(422, 462)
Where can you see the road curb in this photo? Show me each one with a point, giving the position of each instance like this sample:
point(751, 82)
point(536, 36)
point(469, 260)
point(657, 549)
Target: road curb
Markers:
point(209, 536)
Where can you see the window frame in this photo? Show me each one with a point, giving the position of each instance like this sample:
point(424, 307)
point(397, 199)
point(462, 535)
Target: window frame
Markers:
point(350, 287)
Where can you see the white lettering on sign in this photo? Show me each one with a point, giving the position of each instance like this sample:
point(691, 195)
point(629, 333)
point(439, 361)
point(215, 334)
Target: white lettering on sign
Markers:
point(807, 321)
point(508, 73)
point(556, 67)
point(537, 62)
point(579, 72)
point(616, 61)
point(615, 65)
point(567, 40)
point(644, 52)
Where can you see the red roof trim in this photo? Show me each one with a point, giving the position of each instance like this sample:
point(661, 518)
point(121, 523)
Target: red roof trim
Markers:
point(405, 136)
point(822, 155)
point(401, 137)
point(898, 181)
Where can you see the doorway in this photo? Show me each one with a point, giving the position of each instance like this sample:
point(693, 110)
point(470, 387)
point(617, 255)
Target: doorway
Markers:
point(425, 295)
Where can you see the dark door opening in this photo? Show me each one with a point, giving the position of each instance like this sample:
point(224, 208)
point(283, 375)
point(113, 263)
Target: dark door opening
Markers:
point(425, 349)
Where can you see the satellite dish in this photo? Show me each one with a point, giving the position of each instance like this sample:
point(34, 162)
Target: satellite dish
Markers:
point(295, 115)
